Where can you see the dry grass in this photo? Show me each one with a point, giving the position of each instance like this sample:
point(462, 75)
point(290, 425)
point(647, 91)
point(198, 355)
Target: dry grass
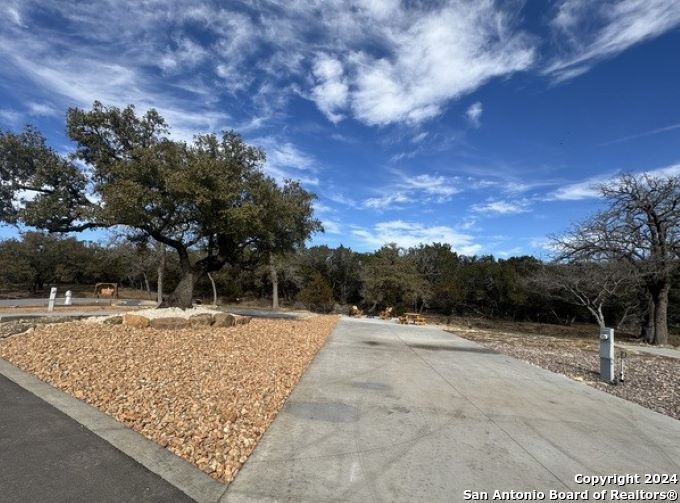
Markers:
point(207, 395)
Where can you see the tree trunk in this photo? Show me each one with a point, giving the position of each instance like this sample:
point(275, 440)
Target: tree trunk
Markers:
point(161, 272)
point(183, 295)
point(275, 283)
point(660, 318)
point(146, 284)
point(597, 314)
point(647, 321)
point(214, 289)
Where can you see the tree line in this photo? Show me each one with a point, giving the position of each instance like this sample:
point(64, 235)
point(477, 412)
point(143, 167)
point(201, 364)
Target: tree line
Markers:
point(429, 278)
point(210, 203)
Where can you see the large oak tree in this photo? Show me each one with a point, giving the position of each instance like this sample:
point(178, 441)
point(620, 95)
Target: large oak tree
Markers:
point(641, 227)
point(209, 195)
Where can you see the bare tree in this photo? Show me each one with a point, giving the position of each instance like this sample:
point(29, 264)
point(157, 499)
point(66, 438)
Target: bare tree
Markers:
point(640, 227)
point(592, 285)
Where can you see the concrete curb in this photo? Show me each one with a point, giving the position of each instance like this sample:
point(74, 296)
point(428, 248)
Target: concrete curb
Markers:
point(173, 469)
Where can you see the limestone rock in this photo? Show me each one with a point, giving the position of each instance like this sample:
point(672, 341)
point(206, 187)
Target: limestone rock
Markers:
point(170, 323)
point(13, 328)
point(201, 320)
point(224, 320)
point(113, 320)
point(136, 320)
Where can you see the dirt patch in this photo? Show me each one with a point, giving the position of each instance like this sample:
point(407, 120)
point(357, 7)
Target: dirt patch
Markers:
point(650, 381)
point(573, 331)
point(206, 394)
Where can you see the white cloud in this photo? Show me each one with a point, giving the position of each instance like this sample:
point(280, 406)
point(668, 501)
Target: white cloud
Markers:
point(512, 252)
point(437, 56)
point(474, 113)
point(408, 234)
point(381, 62)
point(652, 132)
point(42, 109)
point(419, 137)
point(12, 13)
point(577, 191)
point(424, 188)
point(387, 201)
point(339, 198)
point(500, 207)
point(285, 160)
point(331, 227)
point(319, 207)
point(618, 26)
point(9, 117)
point(185, 54)
point(588, 189)
point(331, 92)
point(433, 185)
point(542, 243)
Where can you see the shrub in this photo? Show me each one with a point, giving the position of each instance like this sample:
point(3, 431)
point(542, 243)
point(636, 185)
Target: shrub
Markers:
point(317, 295)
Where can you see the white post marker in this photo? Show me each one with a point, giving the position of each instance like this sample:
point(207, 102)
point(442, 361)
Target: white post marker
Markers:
point(67, 299)
point(53, 297)
point(607, 371)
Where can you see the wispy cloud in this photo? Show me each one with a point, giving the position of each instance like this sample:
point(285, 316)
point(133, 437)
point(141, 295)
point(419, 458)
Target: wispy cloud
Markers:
point(474, 114)
point(331, 92)
point(408, 234)
point(388, 201)
point(43, 110)
point(10, 117)
point(501, 207)
point(285, 160)
point(591, 31)
point(340, 198)
point(589, 188)
point(423, 188)
point(331, 227)
point(652, 132)
point(577, 191)
point(430, 57)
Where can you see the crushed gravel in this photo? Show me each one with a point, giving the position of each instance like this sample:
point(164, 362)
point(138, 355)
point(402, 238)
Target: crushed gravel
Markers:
point(166, 312)
point(650, 381)
point(205, 394)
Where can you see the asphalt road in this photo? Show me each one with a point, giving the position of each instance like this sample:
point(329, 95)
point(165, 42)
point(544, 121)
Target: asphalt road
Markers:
point(76, 301)
point(47, 456)
point(391, 413)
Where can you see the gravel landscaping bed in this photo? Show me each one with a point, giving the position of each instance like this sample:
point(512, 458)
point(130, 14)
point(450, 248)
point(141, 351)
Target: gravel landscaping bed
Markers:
point(207, 394)
point(651, 381)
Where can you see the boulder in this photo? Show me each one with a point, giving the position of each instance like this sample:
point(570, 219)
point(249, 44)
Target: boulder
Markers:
point(136, 320)
point(113, 320)
point(224, 320)
point(14, 328)
point(170, 323)
point(201, 320)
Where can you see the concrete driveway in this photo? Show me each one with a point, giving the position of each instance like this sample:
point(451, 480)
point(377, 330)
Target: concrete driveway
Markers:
point(402, 413)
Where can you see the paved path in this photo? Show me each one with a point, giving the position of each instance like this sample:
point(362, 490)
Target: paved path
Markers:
point(399, 413)
point(667, 352)
point(47, 456)
point(76, 301)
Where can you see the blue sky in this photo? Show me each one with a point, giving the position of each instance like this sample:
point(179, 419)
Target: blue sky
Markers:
point(482, 124)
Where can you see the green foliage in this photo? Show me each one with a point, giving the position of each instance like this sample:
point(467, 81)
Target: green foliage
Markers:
point(390, 277)
point(209, 195)
point(317, 295)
